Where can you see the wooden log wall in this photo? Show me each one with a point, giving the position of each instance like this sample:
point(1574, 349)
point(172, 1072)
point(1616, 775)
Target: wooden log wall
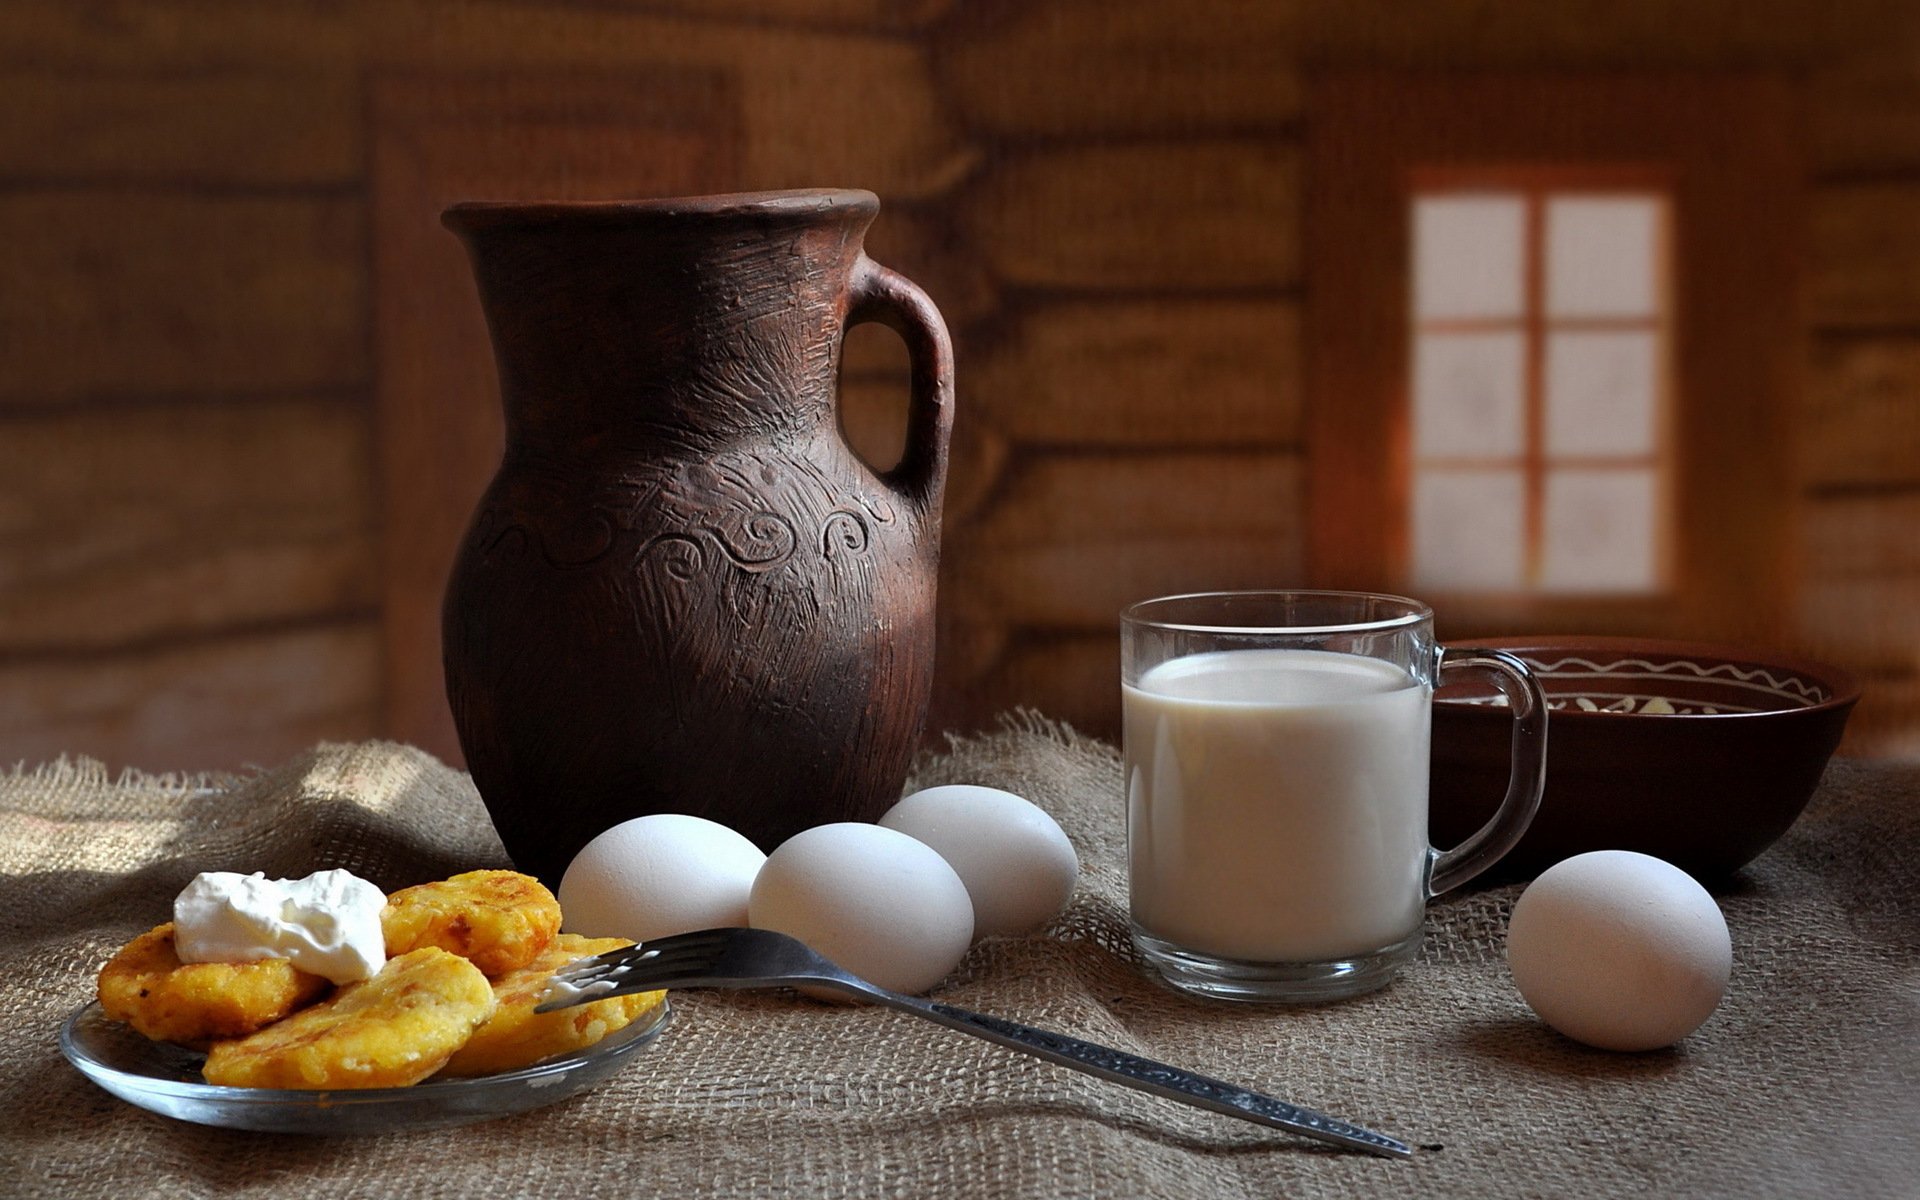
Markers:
point(1102, 195)
point(191, 494)
point(1859, 598)
point(1141, 178)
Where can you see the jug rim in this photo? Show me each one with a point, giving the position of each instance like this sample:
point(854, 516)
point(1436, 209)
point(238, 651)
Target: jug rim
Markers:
point(796, 202)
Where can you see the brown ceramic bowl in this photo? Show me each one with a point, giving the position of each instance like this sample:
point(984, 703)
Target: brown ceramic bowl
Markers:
point(1706, 787)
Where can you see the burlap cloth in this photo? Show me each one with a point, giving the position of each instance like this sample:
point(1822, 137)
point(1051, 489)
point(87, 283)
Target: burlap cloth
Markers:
point(1804, 1083)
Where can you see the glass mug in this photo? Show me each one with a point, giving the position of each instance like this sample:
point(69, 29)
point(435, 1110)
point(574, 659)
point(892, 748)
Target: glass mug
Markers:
point(1276, 751)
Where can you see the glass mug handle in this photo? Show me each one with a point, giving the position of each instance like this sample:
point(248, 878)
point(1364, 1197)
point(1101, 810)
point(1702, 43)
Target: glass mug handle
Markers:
point(1448, 869)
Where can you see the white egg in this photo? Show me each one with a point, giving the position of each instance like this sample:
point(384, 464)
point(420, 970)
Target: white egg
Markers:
point(1016, 861)
point(875, 901)
point(1619, 950)
point(658, 875)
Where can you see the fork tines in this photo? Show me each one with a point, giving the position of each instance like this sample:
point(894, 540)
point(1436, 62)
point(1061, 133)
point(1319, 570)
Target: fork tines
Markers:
point(596, 978)
point(637, 968)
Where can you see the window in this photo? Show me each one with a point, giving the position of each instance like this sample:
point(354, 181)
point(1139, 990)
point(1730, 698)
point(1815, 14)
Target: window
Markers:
point(1554, 340)
point(1538, 392)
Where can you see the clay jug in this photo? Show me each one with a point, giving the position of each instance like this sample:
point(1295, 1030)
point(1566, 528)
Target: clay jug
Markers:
point(683, 592)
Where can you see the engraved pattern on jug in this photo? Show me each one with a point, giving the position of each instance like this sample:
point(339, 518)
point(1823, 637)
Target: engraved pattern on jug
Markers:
point(752, 532)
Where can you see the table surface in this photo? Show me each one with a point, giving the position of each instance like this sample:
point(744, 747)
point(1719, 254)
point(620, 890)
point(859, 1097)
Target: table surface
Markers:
point(1804, 1082)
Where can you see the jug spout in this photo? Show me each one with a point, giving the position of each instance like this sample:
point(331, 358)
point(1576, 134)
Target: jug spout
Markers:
point(698, 320)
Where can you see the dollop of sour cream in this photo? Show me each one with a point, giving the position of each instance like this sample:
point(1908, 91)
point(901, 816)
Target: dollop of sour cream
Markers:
point(327, 924)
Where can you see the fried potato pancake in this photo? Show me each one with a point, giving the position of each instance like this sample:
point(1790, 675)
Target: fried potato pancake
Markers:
point(498, 920)
point(516, 1036)
point(147, 986)
point(389, 1031)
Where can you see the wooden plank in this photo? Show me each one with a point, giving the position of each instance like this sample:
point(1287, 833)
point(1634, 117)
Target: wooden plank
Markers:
point(1625, 34)
point(1862, 623)
point(150, 293)
point(1106, 216)
point(1065, 543)
point(873, 419)
point(923, 242)
point(225, 128)
point(844, 113)
point(1083, 586)
point(1107, 66)
point(967, 650)
point(1162, 372)
point(1070, 677)
point(239, 32)
point(1091, 67)
point(196, 34)
point(182, 520)
point(1865, 122)
point(1051, 499)
point(1869, 536)
point(816, 107)
point(977, 463)
point(1886, 722)
point(564, 135)
point(221, 704)
point(872, 352)
point(1622, 35)
point(1866, 254)
point(1863, 412)
point(892, 16)
point(809, 109)
point(1860, 609)
point(1860, 596)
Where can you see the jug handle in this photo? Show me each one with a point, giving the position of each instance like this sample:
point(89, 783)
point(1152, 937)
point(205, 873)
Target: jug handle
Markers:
point(893, 300)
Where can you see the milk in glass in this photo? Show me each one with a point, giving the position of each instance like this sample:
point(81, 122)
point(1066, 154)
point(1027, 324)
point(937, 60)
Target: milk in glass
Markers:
point(1277, 803)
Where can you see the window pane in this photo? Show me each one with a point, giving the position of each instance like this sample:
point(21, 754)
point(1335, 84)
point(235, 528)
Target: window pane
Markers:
point(1600, 531)
point(1468, 529)
point(1602, 391)
point(1467, 395)
point(1467, 256)
point(1603, 256)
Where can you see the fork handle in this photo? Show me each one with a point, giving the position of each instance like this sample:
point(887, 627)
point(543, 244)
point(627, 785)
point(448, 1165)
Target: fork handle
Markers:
point(1144, 1074)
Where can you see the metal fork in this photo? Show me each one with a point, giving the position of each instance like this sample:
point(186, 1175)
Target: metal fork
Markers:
point(757, 958)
